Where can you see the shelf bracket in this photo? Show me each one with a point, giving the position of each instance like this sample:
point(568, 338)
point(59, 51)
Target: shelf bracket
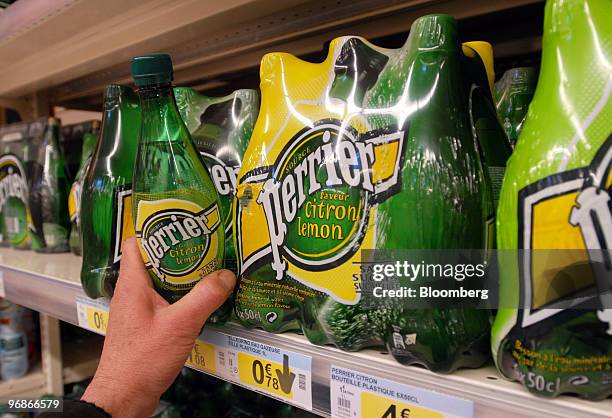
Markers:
point(51, 355)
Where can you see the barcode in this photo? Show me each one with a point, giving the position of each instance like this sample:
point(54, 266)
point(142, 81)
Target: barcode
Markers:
point(222, 358)
point(344, 403)
point(302, 381)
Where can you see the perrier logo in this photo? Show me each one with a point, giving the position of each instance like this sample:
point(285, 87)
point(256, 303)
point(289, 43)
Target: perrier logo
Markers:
point(178, 239)
point(570, 210)
point(316, 201)
point(12, 180)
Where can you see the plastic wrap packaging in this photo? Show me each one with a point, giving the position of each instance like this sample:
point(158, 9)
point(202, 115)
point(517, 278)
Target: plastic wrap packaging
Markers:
point(106, 213)
point(74, 199)
point(370, 149)
point(72, 143)
point(556, 195)
point(14, 187)
point(513, 93)
point(221, 128)
point(49, 188)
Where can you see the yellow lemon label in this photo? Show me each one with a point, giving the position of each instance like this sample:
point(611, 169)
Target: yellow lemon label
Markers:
point(177, 240)
point(566, 211)
point(73, 201)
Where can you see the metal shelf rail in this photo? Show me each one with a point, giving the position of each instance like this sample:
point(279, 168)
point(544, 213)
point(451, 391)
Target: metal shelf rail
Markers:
point(49, 283)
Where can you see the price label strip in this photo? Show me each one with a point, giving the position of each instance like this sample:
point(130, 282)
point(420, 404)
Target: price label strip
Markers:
point(2, 290)
point(282, 374)
point(355, 394)
point(203, 357)
point(92, 314)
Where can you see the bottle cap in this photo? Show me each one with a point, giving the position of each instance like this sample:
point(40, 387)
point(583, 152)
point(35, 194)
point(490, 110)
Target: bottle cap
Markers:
point(152, 69)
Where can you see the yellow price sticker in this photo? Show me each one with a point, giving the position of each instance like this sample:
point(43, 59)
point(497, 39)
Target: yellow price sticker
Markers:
point(266, 375)
point(375, 406)
point(97, 319)
point(202, 357)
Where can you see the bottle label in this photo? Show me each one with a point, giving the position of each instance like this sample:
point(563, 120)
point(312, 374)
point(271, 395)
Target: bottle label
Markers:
point(313, 207)
point(567, 210)
point(74, 202)
point(177, 240)
point(123, 224)
point(224, 176)
point(14, 200)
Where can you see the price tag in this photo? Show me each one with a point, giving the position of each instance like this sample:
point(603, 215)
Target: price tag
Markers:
point(2, 291)
point(279, 373)
point(202, 357)
point(354, 394)
point(92, 314)
point(266, 375)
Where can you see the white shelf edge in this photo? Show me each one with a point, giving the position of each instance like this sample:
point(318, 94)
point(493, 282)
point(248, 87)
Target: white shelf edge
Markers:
point(50, 284)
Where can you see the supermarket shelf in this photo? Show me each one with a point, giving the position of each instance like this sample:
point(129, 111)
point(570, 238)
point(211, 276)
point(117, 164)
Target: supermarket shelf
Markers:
point(50, 284)
point(81, 358)
point(29, 386)
point(74, 48)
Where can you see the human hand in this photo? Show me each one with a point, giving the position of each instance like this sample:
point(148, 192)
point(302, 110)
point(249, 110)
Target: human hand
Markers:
point(149, 340)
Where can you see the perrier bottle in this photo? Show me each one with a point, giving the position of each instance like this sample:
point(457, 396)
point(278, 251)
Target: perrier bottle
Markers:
point(177, 213)
point(106, 195)
point(49, 193)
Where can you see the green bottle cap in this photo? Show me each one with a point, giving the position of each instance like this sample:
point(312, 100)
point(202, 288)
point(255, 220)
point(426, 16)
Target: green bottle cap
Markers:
point(152, 69)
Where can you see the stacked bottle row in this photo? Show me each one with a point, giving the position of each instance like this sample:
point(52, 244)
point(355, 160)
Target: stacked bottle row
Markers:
point(35, 182)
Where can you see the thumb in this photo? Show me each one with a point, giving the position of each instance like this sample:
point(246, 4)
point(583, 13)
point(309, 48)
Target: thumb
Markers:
point(132, 272)
point(195, 307)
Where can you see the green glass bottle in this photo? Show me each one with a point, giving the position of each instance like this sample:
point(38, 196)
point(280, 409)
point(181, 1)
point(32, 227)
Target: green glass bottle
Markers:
point(443, 188)
point(74, 199)
point(13, 177)
point(106, 212)
point(555, 212)
point(48, 199)
point(177, 212)
point(514, 92)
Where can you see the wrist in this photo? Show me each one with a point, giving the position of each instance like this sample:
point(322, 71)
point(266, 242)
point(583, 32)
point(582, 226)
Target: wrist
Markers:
point(118, 401)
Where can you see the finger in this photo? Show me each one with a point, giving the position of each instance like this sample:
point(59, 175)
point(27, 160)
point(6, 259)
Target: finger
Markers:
point(195, 307)
point(132, 272)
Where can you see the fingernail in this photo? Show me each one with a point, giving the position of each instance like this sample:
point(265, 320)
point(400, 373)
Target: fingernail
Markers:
point(227, 280)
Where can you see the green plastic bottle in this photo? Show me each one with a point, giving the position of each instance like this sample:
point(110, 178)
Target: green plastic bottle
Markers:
point(326, 176)
point(556, 196)
point(221, 128)
point(177, 213)
point(444, 186)
point(106, 196)
point(74, 199)
point(513, 93)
